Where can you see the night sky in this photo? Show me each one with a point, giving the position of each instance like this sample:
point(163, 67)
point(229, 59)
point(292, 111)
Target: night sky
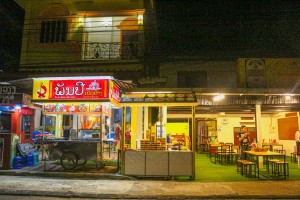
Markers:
point(229, 28)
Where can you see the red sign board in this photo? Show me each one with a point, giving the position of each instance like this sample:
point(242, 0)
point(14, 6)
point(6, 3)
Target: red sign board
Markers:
point(79, 89)
point(114, 93)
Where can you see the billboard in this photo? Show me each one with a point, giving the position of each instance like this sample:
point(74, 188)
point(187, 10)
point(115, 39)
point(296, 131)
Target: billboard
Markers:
point(94, 89)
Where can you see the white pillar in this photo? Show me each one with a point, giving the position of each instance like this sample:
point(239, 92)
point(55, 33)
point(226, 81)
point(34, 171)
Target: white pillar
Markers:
point(37, 118)
point(75, 122)
point(258, 123)
point(165, 113)
point(146, 121)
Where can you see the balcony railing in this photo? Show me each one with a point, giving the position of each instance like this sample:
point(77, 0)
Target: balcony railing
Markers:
point(110, 51)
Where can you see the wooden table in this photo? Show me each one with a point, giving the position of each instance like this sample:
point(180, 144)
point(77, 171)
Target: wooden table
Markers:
point(259, 162)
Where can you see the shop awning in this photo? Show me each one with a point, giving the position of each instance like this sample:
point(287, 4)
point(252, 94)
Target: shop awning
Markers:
point(123, 85)
point(158, 98)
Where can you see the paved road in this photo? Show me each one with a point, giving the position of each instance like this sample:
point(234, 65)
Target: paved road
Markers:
point(146, 189)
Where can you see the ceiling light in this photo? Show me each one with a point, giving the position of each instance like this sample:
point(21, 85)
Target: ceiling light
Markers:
point(218, 97)
point(288, 96)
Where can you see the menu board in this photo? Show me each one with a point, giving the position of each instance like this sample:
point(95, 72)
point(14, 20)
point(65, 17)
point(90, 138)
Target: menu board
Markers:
point(79, 108)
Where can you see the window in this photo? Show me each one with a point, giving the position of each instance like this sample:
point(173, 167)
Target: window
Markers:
point(53, 31)
point(186, 79)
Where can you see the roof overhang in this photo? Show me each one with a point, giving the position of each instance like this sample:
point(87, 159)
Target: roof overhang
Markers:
point(154, 97)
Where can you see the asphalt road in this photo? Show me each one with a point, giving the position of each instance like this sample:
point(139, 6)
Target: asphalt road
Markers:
point(10, 197)
point(60, 188)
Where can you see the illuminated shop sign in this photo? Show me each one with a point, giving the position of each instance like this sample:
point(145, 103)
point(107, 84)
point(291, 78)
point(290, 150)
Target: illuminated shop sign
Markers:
point(70, 89)
point(114, 93)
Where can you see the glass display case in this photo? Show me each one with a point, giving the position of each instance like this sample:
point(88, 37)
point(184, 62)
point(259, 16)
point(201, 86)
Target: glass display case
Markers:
point(26, 126)
point(89, 126)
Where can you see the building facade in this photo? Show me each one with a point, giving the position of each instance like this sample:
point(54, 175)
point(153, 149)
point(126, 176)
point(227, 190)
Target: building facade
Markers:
point(86, 37)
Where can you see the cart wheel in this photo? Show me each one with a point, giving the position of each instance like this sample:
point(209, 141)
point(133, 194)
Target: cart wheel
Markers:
point(82, 162)
point(69, 160)
point(100, 164)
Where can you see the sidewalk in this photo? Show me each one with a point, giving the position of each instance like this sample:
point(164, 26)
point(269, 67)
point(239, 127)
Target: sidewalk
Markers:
point(55, 170)
point(107, 183)
point(146, 189)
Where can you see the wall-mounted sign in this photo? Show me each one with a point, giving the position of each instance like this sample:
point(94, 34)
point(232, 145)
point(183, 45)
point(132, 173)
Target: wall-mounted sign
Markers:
point(7, 89)
point(268, 72)
point(114, 93)
point(71, 89)
point(7, 93)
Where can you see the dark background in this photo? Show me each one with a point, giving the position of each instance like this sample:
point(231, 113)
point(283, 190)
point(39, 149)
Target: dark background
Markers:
point(229, 28)
point(209, 29)
point(11, 26)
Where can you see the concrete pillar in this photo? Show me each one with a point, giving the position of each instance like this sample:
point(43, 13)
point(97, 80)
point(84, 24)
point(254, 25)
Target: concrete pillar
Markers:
point(145, 122)
point(134, 126)
point(258, 123)
point(122, 140)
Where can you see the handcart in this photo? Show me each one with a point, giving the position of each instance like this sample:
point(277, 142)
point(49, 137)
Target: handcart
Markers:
point(72, 153)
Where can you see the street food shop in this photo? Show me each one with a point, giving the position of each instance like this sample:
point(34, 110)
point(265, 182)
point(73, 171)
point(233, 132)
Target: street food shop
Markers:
point(77, 112)
point(157, 147)
point(16, 122)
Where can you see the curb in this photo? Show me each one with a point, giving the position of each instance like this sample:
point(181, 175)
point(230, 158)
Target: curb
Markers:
point(70, 175)
point(70, 194)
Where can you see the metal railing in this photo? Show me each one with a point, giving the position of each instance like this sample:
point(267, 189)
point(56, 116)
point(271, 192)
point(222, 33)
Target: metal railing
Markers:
point(110, 51)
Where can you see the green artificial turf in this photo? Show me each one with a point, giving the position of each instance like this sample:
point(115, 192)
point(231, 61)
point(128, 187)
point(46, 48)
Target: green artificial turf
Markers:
point(206, 171)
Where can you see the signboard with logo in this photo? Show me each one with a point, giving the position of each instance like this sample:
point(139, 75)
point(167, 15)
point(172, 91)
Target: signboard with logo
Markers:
point(114, 94)
point(268, 72)
point(94, 89)
point(82, 96)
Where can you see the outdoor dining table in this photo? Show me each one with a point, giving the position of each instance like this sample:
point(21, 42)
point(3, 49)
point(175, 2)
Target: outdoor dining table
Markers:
point(260, 157)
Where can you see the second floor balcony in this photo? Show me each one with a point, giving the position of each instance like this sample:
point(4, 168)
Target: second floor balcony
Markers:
point(110, 51)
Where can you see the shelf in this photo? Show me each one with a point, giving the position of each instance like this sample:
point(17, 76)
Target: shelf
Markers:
point(207, 131)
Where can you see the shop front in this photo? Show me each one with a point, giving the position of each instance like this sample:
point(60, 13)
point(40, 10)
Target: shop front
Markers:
point(158, 147)
point(16, 123)
point(77, 115)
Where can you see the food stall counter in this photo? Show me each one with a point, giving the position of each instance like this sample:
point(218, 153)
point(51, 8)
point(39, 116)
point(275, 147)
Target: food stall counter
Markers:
point(159, 163)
